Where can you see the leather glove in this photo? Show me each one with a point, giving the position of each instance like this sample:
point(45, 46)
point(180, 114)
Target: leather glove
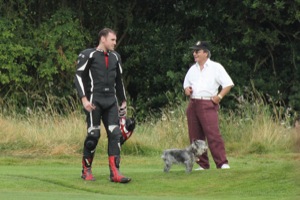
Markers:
point(123, 109)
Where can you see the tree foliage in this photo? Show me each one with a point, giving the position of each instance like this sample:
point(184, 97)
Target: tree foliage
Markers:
point(256, 41)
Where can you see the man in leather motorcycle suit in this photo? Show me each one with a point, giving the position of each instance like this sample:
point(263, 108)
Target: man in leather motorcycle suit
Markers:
point(98, 81)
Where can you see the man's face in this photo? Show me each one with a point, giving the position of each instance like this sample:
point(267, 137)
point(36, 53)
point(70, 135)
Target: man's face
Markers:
point(199, 55)
point(109, 42)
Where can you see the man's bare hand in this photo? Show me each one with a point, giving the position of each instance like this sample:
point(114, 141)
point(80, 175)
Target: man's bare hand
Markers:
point(188, 91)
point(88, 106)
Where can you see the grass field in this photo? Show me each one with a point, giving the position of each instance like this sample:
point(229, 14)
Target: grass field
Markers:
point(250, 177)
point(40, 158)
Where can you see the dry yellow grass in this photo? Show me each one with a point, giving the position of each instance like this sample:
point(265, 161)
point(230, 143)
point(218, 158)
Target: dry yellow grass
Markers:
point(7, 127)
point(43, 134)
point(64, 135)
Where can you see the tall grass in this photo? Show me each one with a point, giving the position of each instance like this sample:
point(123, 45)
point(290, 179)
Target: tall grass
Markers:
point(251, 130)
point(259, 127)
point(41, 134)
point(258, 133)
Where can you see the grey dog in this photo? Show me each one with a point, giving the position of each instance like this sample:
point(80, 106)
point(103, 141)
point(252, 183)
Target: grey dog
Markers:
point(185, 156)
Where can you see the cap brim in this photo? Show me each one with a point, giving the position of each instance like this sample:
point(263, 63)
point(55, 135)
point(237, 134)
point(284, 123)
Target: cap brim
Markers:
point(195, 48)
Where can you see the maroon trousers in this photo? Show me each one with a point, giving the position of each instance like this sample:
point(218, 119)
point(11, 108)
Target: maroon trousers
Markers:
point(203, 124)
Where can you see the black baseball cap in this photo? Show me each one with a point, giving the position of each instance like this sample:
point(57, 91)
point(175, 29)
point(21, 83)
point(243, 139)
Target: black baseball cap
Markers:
point(200, 45)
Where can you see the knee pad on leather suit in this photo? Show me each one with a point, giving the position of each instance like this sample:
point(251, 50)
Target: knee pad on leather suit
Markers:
point(92, 139)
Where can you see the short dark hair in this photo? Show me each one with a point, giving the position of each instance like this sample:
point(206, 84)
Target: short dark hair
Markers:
point(104, 32)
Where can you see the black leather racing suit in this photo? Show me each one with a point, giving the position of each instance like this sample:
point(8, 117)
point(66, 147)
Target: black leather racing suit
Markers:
point(98, 77)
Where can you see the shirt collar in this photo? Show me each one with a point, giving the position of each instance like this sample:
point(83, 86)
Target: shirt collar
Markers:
point(206, 64)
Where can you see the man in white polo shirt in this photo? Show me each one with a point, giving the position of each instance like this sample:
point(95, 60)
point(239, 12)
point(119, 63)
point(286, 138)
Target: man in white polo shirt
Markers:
point(201, 84)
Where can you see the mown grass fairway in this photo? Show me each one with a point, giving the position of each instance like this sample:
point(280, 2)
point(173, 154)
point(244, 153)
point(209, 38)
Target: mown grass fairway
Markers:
point(267, 176)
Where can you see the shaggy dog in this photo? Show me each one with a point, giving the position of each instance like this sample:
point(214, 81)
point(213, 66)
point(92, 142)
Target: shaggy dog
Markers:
point(186, 156)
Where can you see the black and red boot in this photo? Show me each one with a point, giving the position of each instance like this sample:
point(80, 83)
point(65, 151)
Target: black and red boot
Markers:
point(115, 175)
point(87, 169)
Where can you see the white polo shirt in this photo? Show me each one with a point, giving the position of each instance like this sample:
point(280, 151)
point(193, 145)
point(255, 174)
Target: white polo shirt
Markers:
point(205, 83)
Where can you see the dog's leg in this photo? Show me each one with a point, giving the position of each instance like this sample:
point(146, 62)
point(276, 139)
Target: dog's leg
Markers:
point(188, 166)
point(167, 167)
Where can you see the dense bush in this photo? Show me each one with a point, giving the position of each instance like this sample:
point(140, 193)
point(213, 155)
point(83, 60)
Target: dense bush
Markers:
point(39, 63)
point(256, 41)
